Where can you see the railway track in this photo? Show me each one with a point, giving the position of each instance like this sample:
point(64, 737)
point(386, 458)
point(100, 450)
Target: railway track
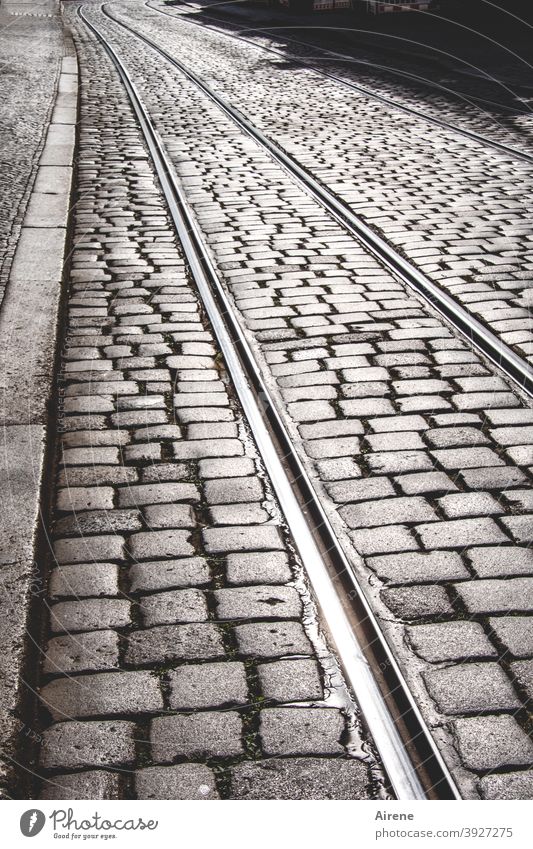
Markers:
point(471, 328)
point(506, 149)
point(411, 760)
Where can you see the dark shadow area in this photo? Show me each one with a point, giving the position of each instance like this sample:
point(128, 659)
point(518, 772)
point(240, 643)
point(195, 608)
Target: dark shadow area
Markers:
point(465, 49)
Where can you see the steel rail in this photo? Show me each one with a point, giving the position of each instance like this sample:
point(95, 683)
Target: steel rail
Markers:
point(501, 147)
point(268, 429)
point(475, 332)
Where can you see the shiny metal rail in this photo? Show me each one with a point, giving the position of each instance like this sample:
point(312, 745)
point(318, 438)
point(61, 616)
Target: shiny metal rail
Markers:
point(506, 149)
point(409, 756)
point(476, 333)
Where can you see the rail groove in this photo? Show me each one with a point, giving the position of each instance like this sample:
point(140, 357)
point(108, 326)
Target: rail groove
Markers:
point(506, 149)
point(475, 332)
point(409, 755)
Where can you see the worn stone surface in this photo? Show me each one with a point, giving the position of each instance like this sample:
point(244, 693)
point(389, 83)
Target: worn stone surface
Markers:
point(208, 685)
point(301, 731)
point(196, 736)
point(492, 743)
point(290, 680)
point(184, 781)
point(299, 778)
point(90, 784)
point(71, 745)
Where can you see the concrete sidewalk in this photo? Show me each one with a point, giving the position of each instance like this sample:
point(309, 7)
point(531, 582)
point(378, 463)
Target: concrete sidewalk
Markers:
point(28, 326)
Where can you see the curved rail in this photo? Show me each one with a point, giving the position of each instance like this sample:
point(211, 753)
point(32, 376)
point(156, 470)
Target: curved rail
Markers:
point(508, 150)
point(412, 762)
point(470, 327)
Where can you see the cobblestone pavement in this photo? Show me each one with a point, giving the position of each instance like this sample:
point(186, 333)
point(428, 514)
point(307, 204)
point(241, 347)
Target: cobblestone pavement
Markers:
point(420, 449)
point(373, 71)
point(184, 658)
point(459, 211)
point(28, 79)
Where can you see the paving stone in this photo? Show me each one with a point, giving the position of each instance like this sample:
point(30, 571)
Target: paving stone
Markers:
point(418, 567)
point(75, 745)
point(398, 423)
point(331, 428)
point(243, 514)
point(508, 785)
point(96, 476)
point(499, 477)
point(494, 596)
point(89, 549)
point(169, 516)
point(290, 680)
point(425, 483)
point(91, 784)
point(166, 643)
point(95, 579)
point(360, 490)
point(269, 567)
point(89, 456)
point(460, 533)
point(85, 498)
point(471, 688)
point(493, 561)
point(202, 448)
point(89, 615)
point(168, 574)
point(242, 538)
point(492, 742)
point(173, 606)
point(520, 528)
point(101, 694)
point(233, 490)
point(183, 781)
point(365, 408)
point(515, 633)
point(271, 602)
point(417, 602)
point(300, 778)
point(437, 643)
point(463, 504)
point(301, 731)
point(448, 437)
point(98, 522)
point(388, 511)
point(155, 544)
point(388, 538)
point(523, 674)
point(197, 736)
point(466, 458)
point(208, 685)
point(338, 469)
point(82, 652)
point(164, 472)
point(396, 462)
point(157, 493)
point(226, 468)
point(511, 435)
point(311, 411)
point(395, 441)
point(272, 639)
point(338, 447)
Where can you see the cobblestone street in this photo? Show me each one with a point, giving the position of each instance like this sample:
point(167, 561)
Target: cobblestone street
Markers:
point(178, 647)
